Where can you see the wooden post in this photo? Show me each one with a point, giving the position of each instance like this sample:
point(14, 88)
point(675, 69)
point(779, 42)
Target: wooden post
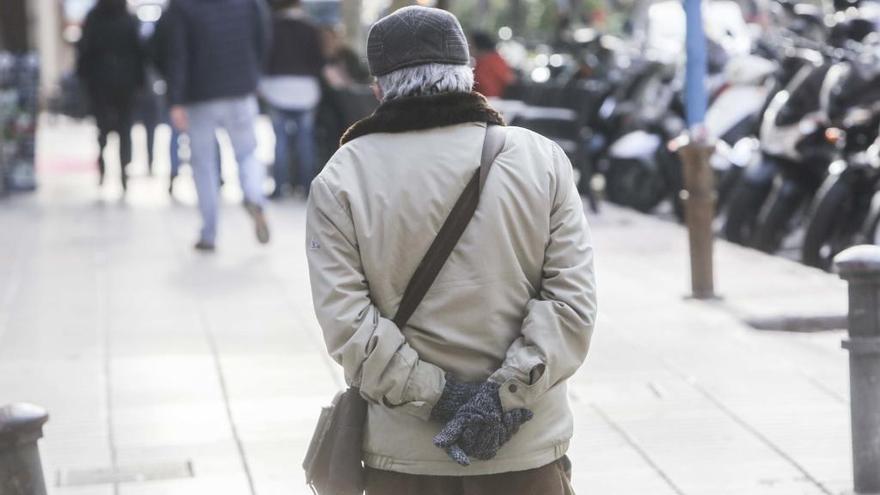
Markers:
point(699, 198)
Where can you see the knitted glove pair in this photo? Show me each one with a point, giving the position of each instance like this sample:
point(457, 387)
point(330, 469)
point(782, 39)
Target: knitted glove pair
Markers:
point(480, 426)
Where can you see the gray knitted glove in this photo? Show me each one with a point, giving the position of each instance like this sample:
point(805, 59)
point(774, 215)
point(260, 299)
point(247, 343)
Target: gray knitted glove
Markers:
point(480, 427)
point(455, 394)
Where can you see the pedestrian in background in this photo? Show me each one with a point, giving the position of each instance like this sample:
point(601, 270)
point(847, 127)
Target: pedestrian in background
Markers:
point(469, 396)
point(110, 62)
point(292, 88)
point(160, 49)
point(492, 74)
point(344, 68)
point(160, 54)
point(215, 63)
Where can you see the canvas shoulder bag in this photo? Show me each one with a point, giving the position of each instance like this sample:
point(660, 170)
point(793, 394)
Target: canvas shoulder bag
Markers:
point(333, 461)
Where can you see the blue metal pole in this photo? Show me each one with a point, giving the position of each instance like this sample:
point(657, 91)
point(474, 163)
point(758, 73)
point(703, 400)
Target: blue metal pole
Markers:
point(695, 85)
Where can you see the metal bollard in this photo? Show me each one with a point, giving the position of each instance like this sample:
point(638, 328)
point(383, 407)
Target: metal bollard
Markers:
point(860, 267)
point(21, 472)
point(699, 199)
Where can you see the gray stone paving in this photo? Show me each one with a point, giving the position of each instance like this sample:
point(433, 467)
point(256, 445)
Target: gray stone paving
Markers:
point(150, 356)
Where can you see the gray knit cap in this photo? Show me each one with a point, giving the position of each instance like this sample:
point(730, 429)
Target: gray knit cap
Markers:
point(415, 36)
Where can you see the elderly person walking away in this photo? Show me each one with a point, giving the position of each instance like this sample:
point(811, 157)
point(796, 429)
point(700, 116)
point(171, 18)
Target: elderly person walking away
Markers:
point(214, 65)
point(469, 397)
point(110, 61)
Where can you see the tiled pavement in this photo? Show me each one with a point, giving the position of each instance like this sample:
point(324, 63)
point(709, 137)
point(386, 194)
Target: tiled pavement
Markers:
point(208, 371)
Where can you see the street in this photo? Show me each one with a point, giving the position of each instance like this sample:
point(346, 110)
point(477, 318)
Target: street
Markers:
point(170, 372)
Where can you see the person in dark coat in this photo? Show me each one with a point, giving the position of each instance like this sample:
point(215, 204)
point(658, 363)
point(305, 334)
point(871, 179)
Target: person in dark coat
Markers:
point(215, 61)
point(110, 62)
point(291, 85)
point(160, 51)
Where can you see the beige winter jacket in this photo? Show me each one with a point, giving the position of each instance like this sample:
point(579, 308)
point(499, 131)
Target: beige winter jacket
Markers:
point(516, 301)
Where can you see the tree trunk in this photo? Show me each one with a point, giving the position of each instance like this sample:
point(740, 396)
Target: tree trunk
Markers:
point(14, 26)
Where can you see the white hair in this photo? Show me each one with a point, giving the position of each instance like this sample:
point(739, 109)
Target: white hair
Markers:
point(425, 80)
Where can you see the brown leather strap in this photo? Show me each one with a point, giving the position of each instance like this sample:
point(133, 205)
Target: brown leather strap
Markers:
point(451, 231)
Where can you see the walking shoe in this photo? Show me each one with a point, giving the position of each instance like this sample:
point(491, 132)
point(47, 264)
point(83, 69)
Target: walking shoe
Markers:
point(262, 227)
point(204, 246)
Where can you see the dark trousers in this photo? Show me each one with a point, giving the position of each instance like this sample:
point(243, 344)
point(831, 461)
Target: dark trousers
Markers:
point(114, 114)
point(297, 128)
point(552, 479)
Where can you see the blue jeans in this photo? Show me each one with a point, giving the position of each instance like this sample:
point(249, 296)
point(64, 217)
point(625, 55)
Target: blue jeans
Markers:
point(237, 116)
point(295, 127)
point(174, 151)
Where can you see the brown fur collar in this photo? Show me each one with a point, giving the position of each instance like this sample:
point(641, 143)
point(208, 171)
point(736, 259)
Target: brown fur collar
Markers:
point(417, 113)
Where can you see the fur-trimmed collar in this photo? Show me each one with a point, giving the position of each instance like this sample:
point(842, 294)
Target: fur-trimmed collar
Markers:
point(417, 113)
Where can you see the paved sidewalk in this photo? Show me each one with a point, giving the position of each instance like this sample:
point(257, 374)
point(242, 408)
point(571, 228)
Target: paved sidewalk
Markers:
point(207, 372)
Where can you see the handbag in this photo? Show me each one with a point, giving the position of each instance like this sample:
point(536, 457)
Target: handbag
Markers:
point(333, 461)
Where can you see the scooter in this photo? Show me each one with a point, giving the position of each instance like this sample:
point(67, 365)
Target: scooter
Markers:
point(796, 152)
point(788, 126)
point(839, 211)
point(641, 170)
point(734, 117)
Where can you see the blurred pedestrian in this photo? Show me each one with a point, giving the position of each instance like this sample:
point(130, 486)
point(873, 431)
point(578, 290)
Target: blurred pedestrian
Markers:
point(214, 66)
point(110, 62)
point(148, 112)
point(492, 74)
point(508, 320)
point(292, 88)
point(160, 49)
point(344, 67)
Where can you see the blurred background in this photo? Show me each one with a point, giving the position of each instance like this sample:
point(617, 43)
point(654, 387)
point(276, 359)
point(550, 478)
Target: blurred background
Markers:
point(168, 372)
point(616, 66)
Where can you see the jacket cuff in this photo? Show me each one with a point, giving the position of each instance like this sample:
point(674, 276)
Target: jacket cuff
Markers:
point(423, 389)
point(519, 390)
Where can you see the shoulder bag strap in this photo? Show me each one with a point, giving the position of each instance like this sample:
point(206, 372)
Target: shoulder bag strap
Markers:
point(452, 229)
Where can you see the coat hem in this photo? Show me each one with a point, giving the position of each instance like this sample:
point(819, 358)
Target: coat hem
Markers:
point(533, 460)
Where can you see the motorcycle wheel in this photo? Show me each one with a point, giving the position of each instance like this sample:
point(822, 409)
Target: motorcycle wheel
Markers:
point(746, 201)
point(632, 184)
point(826, 229)
point(775, 224)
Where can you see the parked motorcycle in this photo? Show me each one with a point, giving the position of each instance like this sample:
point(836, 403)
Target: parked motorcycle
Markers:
point(734, 118)
point(788, 134)
point(843, 203)
point(772, 198)
point(641, 170)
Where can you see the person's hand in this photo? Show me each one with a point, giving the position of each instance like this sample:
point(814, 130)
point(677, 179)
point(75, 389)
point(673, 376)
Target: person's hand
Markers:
point(480, 427)
point(179, 118)
point(455, 394)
